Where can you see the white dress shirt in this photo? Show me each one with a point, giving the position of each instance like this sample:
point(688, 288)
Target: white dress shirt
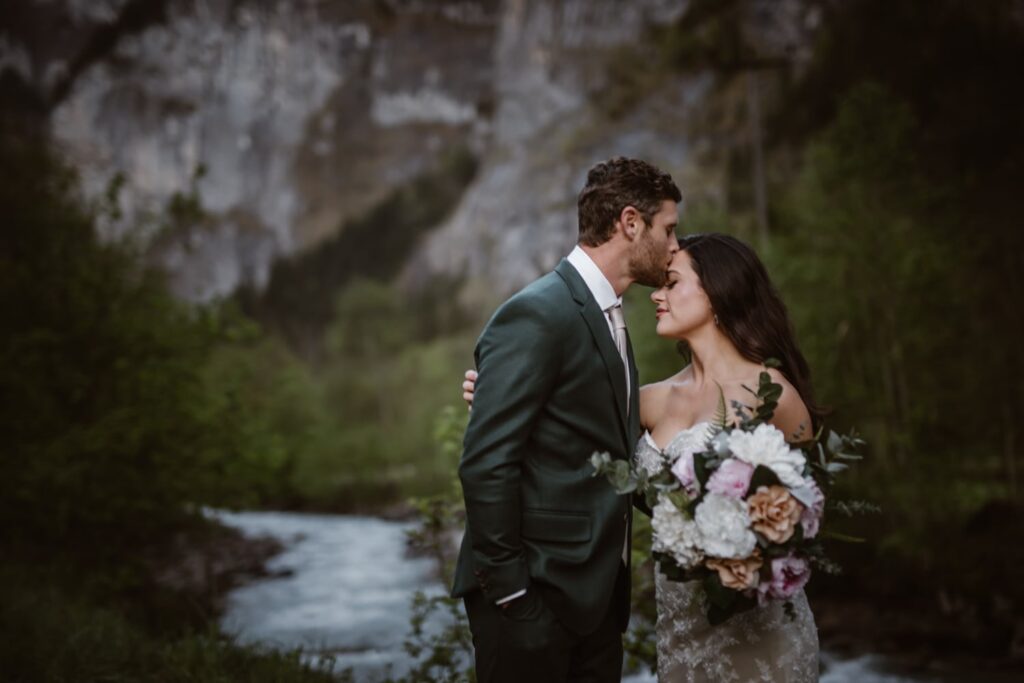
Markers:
point(606, 298)
point(597, 283)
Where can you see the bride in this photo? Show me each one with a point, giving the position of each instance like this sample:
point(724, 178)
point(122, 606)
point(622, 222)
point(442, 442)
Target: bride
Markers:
point(719, 303)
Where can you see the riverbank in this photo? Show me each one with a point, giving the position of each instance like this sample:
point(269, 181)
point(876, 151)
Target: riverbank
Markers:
point(207, 562)
point(153, 617)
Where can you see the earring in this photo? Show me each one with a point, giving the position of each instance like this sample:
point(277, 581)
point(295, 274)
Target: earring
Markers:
point(716, 320)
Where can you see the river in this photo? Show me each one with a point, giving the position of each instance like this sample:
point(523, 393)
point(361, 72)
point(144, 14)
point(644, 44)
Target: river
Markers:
point(342, 588)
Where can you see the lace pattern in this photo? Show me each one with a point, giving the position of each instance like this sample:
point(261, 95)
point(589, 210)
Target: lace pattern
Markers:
point(762, 645)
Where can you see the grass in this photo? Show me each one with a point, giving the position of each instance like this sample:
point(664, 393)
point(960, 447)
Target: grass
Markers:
point(55, 633)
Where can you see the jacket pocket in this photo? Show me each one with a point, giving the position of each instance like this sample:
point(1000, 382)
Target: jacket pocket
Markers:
point(550, 525)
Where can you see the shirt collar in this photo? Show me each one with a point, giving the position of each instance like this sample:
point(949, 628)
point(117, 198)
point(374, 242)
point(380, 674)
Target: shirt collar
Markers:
point(597, 283)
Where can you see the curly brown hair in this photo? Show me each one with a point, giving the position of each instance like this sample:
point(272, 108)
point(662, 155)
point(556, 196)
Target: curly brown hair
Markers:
point(612, 186)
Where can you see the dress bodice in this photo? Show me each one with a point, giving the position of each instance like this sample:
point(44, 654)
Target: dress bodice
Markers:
point(650, 456)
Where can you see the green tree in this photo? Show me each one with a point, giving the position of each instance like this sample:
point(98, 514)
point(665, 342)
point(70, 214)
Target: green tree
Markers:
point(114, 434)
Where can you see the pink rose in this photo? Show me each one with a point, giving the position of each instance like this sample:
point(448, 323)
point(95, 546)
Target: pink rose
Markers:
point(789, 575)
point(683, 470)
point(732, 478)
point(811, 517)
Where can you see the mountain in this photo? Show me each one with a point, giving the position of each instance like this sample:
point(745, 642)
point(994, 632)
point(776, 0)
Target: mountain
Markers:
point(283, 122)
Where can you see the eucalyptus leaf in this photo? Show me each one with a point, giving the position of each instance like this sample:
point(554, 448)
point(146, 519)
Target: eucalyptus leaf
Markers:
point(741, 409)
point(826, 565)
point(835, 443)
point(601, 462)
point(664, 480)
point(835, 535)
point(854, 507)
point(849, 456)
point(680, 500)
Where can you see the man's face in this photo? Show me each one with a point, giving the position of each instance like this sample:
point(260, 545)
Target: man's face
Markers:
point(654, 246)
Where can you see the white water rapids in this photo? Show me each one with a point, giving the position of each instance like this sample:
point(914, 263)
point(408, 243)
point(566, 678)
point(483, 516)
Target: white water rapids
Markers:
point(343, 586)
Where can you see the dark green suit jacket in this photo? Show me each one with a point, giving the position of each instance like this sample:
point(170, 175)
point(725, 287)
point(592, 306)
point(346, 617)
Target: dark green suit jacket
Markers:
point(551, 392)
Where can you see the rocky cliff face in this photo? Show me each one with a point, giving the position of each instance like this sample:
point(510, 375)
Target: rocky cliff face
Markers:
point(304, 114)
point(552, 61)
point(299, 114)
point(579, 81)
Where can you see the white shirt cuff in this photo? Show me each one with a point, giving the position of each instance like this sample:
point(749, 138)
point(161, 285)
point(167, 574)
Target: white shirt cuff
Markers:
point(509, 598)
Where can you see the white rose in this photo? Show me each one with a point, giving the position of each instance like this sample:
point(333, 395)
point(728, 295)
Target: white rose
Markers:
point(767, 446)
point(724, 527)
point(675, 535)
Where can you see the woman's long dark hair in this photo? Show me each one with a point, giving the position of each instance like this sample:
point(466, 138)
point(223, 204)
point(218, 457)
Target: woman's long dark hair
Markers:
point(748, 308)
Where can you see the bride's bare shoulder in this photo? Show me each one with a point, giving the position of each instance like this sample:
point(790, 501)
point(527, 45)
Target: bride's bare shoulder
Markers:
point(654, 397)
point(791, 414)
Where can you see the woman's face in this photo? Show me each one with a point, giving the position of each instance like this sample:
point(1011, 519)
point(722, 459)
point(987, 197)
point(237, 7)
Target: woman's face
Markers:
point(682, 304)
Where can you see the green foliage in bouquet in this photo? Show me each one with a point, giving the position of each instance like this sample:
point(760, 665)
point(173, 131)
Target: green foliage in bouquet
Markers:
point(766, 397)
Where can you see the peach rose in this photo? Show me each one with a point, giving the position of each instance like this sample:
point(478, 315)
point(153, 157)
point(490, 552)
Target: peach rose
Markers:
point(774, 513)
point(737, 574)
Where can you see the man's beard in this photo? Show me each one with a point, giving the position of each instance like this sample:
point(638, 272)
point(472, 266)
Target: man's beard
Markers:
point(647, 263)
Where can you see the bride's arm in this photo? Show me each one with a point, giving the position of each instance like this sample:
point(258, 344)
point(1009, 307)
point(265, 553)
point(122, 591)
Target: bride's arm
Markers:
point(791, 415)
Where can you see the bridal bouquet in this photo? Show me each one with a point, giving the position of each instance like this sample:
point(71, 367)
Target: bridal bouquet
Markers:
point(743, 513)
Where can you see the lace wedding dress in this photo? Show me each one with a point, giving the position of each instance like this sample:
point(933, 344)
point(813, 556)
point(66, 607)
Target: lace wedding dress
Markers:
point(762, 644)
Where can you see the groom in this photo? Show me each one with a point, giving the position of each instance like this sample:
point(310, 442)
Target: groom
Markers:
point(544, 564)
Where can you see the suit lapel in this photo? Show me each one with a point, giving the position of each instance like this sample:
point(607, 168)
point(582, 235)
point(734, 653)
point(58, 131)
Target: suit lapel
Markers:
point(634, 396)
point(609, 353)
point(595, 320)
